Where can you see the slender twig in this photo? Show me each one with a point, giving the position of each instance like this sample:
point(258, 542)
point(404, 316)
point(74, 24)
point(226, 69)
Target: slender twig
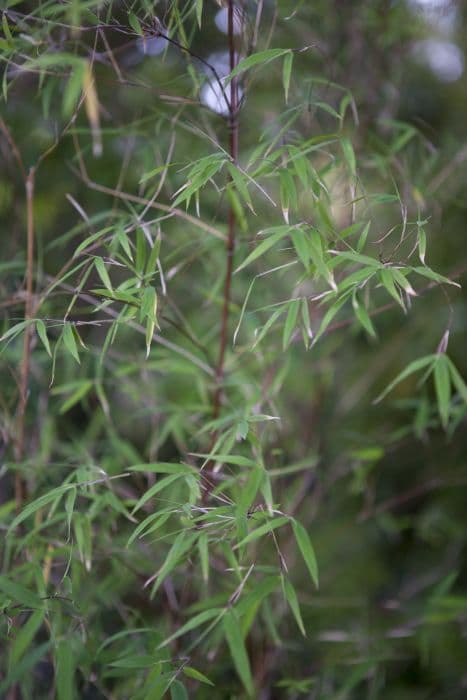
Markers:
point(173, 211)
point(230, 243)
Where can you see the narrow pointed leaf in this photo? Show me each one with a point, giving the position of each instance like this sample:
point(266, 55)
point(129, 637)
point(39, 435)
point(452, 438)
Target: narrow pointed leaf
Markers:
point(306, 549)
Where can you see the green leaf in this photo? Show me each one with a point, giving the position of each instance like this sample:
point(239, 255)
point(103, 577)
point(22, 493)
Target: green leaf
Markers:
point(163, 468)
point(103, 274)
point(42, 333)
point(363, 317)
point(240, 184)
point(153, 173)
point(196, 621)
point(153, 257)
point(267, 326)
point(6, 30)
point(443, 388)
point(183, 542)
point(286, 73)
point(306, 549)
point(238, 460)
point(19, 594)
point(291, 597)
point(15, 330)
point(457, 380)
point(149, 311)
point(261, 249)
point(256, 59)
point(29, 661)
point(150, 524)
point(73, 90)
point(199, 12)
point(263, 530)
point(82, 388)
point(387, 280)
point(24, 636)
point(158, 486)
point(430, 274)
point(234, 637)
point(178, 691)
point(414, 366)
point(349, 156)
point(363, 236)
point(39, 503)
point(204, 555)
point(421, 245)
point(290, 322)
point(90, 239)
point(288, 193)
point(249, 490)
point(134, 661)
point(64, 679)
point(302, 247)
point(197, 675)
point(69, 341)
point(328, 316)
point(135, 23)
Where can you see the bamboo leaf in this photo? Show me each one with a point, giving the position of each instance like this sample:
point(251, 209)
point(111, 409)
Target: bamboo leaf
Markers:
point(103, 274)
point(263, 530)
point(69, 341)
point(158, 486)
point(204, 555)
point(24, 637)
point(199, 12)
point(135, 23)
point(19, 594)
point(196, 621)
point(261, 249)
point(291, 597)
point(290, 322)
point(306, 549)
point(234, 637)
point(256, 59)
point(29, 661)
point(42, 333)
point(421, 245)
point(178, 691)
point(443, 388)
point(349, 156)
point(457, 380)
point(182, 544)
point(286, 74)
point(411, 368)
point(64, 679)
point(197, 675)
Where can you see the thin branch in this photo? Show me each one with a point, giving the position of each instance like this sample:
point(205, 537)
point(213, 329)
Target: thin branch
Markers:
point(230, 243)
point(173, 211)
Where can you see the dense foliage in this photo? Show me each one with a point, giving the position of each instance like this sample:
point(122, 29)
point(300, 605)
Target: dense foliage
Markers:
point(232, 394)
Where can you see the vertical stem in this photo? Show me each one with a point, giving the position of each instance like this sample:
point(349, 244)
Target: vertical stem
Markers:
point(20, 485)
point(229, 249)
point(230, 243)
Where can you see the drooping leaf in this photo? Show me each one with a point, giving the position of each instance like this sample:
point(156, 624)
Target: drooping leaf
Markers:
point(306, 549)
point(234, 637)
